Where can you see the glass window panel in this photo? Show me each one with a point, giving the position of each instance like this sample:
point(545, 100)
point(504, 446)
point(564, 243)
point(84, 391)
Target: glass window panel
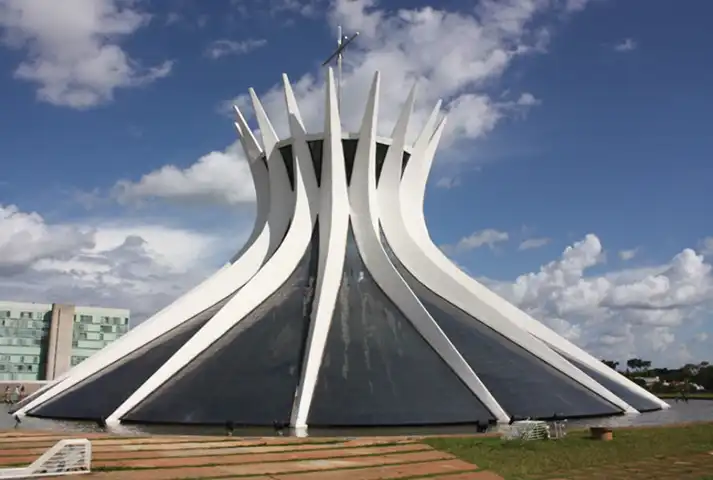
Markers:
point(378, 370)
point(524, 385)
point(101, 394)
point(637, 401)
point(249, 376)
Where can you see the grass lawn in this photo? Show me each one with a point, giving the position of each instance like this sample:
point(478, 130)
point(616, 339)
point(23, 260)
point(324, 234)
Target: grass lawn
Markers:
point(704, 396)
point(517, 460)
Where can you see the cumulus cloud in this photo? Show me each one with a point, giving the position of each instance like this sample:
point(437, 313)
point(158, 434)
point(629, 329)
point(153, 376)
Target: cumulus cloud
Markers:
point(532, 243)
point(221, 48)
point(73, 48)
point(488, 237)
point(528, 99)
point(627, 255)
point(452, 55)
point(220, 177)
point(701, 336)
point(626, 45)
point(26, 239)
point(575, 5)
point(305, 8)
point(707, 246)
point(140, 266)
point(635, 311)
point(406, 46)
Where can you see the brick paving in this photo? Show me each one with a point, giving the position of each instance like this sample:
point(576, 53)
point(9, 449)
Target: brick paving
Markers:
point(274, 458)
point(282, 458)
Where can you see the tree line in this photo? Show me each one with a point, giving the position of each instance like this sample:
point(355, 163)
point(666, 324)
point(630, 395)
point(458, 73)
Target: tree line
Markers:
point(670, 379)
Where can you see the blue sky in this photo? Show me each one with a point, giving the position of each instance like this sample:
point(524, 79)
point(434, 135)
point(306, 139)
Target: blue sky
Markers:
point(573, 123)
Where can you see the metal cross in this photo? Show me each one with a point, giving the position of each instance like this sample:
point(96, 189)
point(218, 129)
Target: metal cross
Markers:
point(342, 43)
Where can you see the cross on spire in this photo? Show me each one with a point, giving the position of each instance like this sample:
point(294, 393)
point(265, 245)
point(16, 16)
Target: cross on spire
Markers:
point(342, 42)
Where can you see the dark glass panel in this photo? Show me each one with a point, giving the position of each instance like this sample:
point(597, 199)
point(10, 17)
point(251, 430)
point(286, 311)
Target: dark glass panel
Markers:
point(637, 401)
point(524, 385)
point(404, 161)
point(315, 150)
point(350, 147)
point(249, 376)
point(378, 370)
point(381, 150)
point(286, 153)
point(98, 396)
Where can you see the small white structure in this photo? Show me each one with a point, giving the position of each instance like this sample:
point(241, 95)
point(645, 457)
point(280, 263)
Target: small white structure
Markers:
point(526, 430)
point(340, 310)
point(66, 457)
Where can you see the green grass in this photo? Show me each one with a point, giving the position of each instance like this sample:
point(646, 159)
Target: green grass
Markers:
point(516, 460)
point(699, 396)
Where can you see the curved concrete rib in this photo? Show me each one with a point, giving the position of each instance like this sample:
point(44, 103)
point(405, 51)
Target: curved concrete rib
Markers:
point(430, 270)
point(260, 234)
point(365, 224)
point(280, 190)
point(217, 287)
point(333, 227)
point(266, 281)
point(413, 188)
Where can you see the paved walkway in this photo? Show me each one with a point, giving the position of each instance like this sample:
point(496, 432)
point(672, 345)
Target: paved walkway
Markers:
point(370, 458)
point(182, 457)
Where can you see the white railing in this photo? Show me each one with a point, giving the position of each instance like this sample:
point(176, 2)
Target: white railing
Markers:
point(526, 430)
point(66, 457)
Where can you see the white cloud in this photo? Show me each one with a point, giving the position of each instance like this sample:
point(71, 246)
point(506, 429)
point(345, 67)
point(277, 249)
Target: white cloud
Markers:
point(451, 55)
point(626, 45)
point(305, 8)
point(26, 239)
point(488, 237)
point(448, 182)
point(707, 246)
point(576, 5)
point(140, 266)
point(173, 18)
point(454, 56)
point(527, 99)
point(173, 248)
point(221, 48)
point(73, 48)
point(406, 46)
point(627, 255)
point(532, 243)
point(216, 178)
point(617, 314)
point(701, 336)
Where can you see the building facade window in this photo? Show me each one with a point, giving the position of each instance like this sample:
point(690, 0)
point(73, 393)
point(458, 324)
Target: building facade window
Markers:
point(24, 332)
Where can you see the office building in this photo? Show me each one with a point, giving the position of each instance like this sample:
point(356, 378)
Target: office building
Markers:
point(41, 341)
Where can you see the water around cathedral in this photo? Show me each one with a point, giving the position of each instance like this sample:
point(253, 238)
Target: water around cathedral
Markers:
point(680, 412)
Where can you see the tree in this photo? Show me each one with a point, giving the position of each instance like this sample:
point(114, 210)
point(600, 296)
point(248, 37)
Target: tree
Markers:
point(633, 363)
point(611, 364)
point(637, 364)
point(704, 378)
